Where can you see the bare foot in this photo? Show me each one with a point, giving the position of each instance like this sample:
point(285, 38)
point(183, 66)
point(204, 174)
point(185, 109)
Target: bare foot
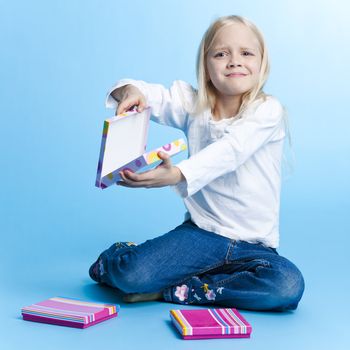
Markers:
point(134, 298)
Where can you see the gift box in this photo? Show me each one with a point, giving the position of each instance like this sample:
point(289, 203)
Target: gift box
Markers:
point(210, 323)
point(123, 147)
point(69, 312)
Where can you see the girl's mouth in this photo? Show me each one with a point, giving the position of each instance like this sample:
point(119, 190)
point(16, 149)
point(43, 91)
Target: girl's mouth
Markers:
point(233, 75)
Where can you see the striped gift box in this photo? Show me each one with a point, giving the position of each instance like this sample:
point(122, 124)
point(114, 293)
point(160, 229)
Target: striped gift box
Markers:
point(69, 312)
point(210, 323)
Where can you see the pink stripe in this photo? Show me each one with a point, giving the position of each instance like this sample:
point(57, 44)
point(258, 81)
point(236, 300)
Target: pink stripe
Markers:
point(199, 318)
point(228, 318)
point(63, 322)
point(236, 328)
point(249, 327)
point(244, 321)
point(69, 307)
point(220, 323)
point(58, 316)
point(39, 308)
point(209, 336)
point(54, 313)
point(202, 322)
point(51, 312)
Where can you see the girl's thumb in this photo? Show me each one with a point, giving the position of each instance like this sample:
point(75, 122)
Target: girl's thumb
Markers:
point(164, 157)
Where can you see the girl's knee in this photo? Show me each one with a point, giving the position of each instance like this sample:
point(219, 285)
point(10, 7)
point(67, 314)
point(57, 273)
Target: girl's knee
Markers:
point(289, 289)
point(115, 266)
point(129, 274)
point(133, 281)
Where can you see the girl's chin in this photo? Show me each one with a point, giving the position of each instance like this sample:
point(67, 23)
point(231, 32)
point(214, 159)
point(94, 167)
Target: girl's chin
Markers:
point(232, 92)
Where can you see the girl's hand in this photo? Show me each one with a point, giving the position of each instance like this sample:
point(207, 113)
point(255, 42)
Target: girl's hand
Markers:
point(129, 96)
point(163, 175)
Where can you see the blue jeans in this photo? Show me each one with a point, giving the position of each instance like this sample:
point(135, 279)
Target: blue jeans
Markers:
point(190, 265)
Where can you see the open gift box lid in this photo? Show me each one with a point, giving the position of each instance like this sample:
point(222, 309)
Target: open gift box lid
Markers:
point(123, 147)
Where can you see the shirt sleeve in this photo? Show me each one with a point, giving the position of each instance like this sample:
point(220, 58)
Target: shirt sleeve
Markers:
point(168, 106)
point(240, 141)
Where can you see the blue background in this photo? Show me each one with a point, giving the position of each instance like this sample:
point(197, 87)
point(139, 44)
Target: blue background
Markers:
point(58, 59)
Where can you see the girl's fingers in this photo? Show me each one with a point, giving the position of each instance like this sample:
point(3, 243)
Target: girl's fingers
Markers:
point(122, 175)
point(135, 184)
point(137, 180)
point(124, 106)
point(129, 103)
point(128, 178)
point(141, 106)
point(146, 176)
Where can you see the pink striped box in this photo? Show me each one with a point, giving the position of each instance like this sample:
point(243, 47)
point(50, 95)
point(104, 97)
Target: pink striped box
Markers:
point(69, 312)
point(210, 323)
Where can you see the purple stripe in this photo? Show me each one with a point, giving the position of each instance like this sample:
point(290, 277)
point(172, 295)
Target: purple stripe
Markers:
point(225, 324)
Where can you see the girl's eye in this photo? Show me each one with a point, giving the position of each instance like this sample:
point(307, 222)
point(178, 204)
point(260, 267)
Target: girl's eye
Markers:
point(247, 53)
point(220, 54)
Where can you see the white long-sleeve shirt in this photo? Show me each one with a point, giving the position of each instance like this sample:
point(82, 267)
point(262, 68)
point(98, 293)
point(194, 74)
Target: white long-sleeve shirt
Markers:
point(233, 172)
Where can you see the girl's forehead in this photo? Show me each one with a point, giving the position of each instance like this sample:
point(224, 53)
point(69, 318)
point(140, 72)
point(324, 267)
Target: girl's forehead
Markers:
point(236, 34)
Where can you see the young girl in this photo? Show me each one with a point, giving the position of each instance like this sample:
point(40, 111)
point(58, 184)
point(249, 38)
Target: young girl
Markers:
point(224, 252)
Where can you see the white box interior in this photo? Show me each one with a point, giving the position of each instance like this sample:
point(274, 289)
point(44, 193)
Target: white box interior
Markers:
point(126, 140)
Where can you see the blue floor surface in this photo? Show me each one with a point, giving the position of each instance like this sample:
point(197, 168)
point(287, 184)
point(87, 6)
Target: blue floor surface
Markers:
point(59, 267)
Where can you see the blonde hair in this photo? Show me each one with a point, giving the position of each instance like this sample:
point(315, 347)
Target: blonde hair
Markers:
point(206, 97)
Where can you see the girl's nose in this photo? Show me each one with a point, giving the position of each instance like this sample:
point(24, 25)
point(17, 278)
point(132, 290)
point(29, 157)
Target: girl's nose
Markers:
point(234, 61)
point(232, 65)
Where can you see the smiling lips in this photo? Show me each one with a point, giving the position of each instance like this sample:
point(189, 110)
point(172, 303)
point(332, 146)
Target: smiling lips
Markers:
point(233, 75)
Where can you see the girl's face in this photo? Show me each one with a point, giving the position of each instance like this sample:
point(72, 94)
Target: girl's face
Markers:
point(234, 60)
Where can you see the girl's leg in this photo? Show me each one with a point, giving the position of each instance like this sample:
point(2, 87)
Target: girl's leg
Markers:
point(97, 270)
point(164, 261)
point(98, 274)
point(253, 277)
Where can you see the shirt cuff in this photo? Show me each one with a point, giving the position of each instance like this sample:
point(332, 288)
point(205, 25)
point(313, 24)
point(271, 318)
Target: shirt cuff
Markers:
point(184, 188)
point(181, 189)
point(110, 100)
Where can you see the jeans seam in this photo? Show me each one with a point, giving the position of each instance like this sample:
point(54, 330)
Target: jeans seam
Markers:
point(231, 278)
point(265, 264)
point(230, 248)
point(197, 273)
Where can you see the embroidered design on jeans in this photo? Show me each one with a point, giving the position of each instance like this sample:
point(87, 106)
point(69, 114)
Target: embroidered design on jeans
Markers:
point(205, 287)
point(182, 292)
point(197, 297)
point(209, 293)
point(219, 290)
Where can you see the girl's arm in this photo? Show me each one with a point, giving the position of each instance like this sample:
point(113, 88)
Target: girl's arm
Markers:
point(243, 138)
point(168, 106)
